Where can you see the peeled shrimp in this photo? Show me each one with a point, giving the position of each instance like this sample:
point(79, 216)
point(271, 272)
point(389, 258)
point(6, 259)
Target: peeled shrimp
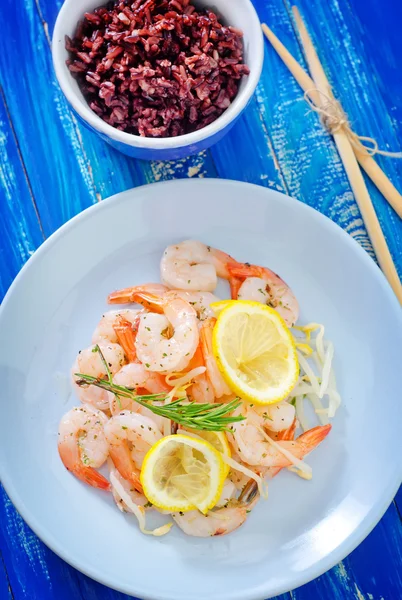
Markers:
point(191, 265)
point(105, 332)
point(135, 376)
point(83, 446)
point(263, 285)
point(249, 442)
point(130, 436)
point(219, 385)
point(200, 300)
point(89, 362)
point(228, 491)
point(277, 417)
point(218, 521)
point(167, 342)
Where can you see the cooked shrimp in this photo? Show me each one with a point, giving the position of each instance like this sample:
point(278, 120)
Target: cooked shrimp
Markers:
point(135, 376)
point(218, 521)
point(83, 446)
point(201, 390)
point(129, 294)
point(136, 497)
point(200, 300)
point(105, 332)
point(166, 343)
point(277, 417)
point(249, 442)
point(130, 436)
point(219, 385)
point(228, 491)
point(263, 285)
point(191, 265)
point(89, 362)
point(126, 333)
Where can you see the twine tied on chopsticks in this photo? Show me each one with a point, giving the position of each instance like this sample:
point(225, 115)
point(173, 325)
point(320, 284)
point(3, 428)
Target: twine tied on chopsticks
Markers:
point(334, 119)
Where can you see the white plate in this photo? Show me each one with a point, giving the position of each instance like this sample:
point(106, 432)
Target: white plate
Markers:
point(305, 527)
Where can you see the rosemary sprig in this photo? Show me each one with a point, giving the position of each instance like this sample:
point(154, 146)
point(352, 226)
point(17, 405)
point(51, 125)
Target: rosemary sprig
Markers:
point(207, 417)
point(96, 348)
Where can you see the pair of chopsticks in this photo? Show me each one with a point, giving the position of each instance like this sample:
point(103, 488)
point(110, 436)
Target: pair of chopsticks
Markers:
point(318, 89)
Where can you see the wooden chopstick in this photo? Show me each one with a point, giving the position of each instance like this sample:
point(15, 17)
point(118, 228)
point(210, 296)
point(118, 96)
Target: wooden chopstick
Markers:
point(342, 142)
point(376, 174)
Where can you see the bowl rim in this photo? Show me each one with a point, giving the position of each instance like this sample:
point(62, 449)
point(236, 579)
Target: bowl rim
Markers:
point(255, 593)
point(189, 139)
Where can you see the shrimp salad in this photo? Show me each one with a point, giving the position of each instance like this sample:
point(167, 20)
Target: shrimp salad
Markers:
point(152, 373)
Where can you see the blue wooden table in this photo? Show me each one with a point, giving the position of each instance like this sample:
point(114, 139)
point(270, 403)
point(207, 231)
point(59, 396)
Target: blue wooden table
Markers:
point(51, 168)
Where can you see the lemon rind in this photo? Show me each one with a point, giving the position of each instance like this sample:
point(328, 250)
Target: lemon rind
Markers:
point(245, 391)
point(150, 459)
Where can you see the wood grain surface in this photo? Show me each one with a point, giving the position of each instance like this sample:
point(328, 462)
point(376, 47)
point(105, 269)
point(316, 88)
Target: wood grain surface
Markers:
point(51, 168)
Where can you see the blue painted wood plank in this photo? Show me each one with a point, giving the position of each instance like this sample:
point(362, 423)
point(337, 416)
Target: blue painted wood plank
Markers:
point(35, 572)
point(336, 33)
point(20, 231)
point(379, 28)
point(71, 167)
point(60, 178)
point(5, 590)
point(110, 172)
point(307, 156)
point(246, 153)
point(366, 573)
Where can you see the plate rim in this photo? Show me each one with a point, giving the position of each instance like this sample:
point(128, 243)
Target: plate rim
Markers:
point(254, 593)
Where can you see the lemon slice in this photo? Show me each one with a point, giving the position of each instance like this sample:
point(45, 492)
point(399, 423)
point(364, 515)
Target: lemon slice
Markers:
point(181, 473)
point(217, 439)
point(255, 352)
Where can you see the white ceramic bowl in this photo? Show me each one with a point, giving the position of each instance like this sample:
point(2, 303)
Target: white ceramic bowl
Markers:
point(305, 527)
point(238, 13)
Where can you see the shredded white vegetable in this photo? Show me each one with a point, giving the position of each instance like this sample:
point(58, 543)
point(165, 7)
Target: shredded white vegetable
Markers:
point(326, 369)
point(178, 379)
point(309, 372)
point(262, 485)
point(320, 411)
point(300, 412)
point(317, 383)
point(138, 511)
point(302, 467)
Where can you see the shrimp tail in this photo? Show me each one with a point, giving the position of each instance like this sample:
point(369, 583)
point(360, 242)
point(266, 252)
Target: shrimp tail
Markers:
point(148, 300)
point(122, 461)
point(92, 477)
point(131, 294)
point(313, 437)
point(84, 473)
point(124, 296)
point(244, 270)
point(235, 285)
point(288, 434)
point(126, 334)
